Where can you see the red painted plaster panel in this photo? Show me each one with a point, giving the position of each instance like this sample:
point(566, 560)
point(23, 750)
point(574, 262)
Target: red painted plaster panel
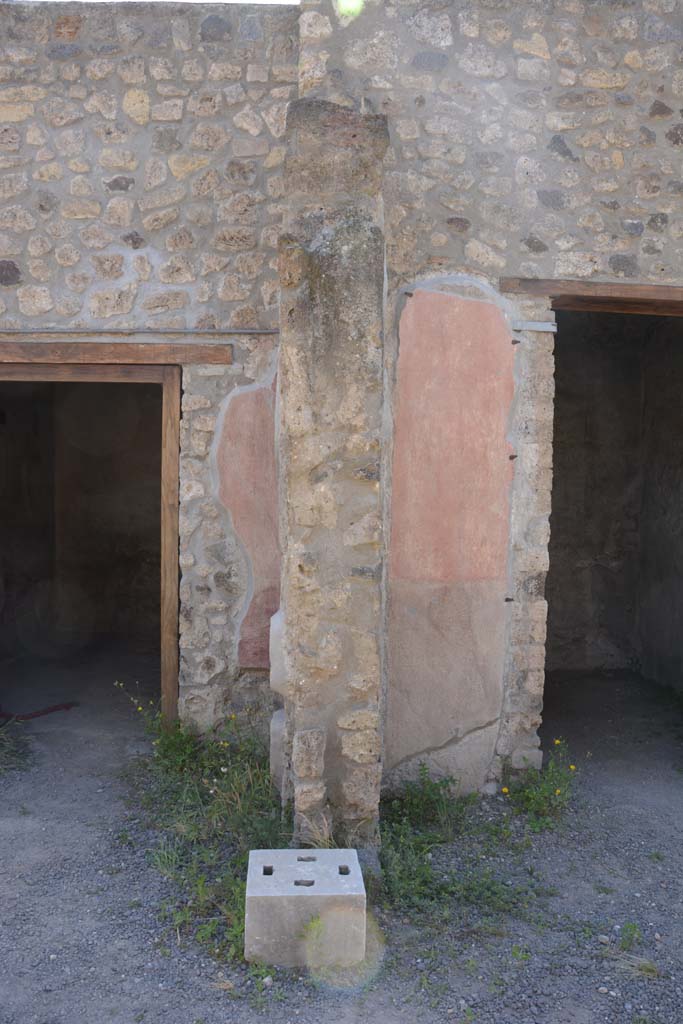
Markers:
point(449, 540)
point(248, 489)
point(452, 472)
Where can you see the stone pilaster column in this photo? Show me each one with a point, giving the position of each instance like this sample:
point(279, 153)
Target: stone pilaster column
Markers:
point(329, 422)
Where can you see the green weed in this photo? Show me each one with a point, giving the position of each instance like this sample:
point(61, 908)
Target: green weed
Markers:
point(429, 805)
point(520, 954)
point(409, 878)
point(212, 800)
point(428, 813)
point(637, 965)
point(630, 936)
point(543, 795)
point(14, 749)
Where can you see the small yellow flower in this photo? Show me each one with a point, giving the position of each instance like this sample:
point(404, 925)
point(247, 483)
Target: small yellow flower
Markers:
point(505, 790)
point(557, 792)
point(572, 767)
point(139, 708)
point(557, 742)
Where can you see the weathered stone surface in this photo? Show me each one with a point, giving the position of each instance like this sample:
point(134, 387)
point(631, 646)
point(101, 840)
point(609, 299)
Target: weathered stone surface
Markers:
point(183, 164)
point(108, 267)
point(112, 302)
point(15, 112)
point(34, 300)
point(10, 273)
point(81, 209)
point(177, 270)
point(308, 753)
point(353, 165)
point(330, 384)
point(118, 159)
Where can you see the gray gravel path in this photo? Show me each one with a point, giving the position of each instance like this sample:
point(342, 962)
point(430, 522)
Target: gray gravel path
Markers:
point(81, 939)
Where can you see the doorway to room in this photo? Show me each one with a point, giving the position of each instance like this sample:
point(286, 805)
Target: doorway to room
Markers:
point(614, 645)
point(88, 532)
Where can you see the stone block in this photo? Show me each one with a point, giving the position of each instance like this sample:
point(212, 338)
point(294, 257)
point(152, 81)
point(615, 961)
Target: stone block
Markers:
point(308, 753)
point(305, 908)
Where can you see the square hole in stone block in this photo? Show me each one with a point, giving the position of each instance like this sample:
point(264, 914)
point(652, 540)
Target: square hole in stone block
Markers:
point(267, 869)
point(344, 869)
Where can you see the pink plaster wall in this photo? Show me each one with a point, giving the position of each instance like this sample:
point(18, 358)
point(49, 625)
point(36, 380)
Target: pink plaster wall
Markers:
point(248, 489)
point(448, 548)
point(452, 471)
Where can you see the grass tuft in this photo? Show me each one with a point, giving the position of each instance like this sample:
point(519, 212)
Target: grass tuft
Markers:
point(427, 814)
point(543, 795)
point(213, 801)
point(14, 748)
point(630, 936)
point(637, 965)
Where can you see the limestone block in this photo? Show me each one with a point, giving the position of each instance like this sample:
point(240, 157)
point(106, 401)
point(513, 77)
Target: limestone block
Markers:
point(34, 300)
point(305, 908)
point(308, 752)
point(353, 166)
point(136, 104)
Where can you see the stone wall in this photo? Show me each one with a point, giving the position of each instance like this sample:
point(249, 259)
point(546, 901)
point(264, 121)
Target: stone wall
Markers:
point(539, 139)
point(228, 534)
point(140, 163)
point(141, 188)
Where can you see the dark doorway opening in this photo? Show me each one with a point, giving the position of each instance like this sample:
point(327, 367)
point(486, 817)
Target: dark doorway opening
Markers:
point(614, 652)
point(80, 538)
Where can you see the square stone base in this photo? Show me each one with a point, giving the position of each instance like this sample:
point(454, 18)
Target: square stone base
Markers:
point(305, 908)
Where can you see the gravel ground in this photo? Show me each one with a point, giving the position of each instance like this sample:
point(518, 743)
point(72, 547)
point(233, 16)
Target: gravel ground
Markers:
point(81, 939)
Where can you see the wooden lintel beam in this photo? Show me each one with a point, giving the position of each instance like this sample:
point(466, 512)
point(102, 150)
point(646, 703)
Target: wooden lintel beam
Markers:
point(166, 353)
point(96, 373)
point(640, 308)
point(600, 296)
